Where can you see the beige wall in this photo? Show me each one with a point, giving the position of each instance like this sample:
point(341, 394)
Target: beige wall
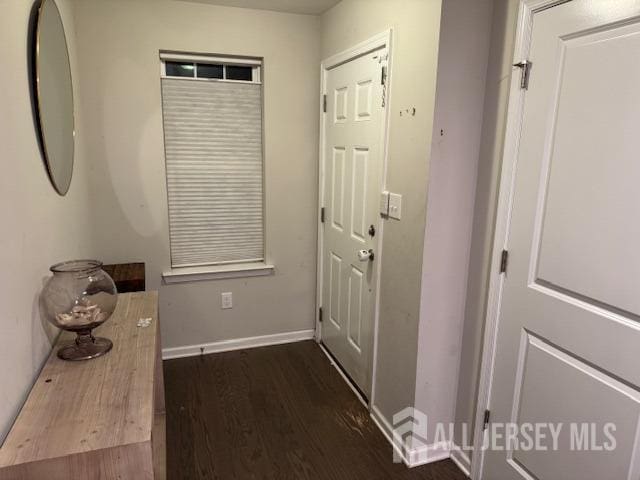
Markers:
point(119, 43)
point(493, 128)
point(39, 227)
point(465, 32)
point(116, 207)
point(415, 26)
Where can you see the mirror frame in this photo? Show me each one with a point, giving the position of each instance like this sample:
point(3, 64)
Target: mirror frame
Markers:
point(60, 189)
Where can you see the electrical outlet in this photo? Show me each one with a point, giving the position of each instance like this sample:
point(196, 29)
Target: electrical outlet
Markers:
point(227, 300)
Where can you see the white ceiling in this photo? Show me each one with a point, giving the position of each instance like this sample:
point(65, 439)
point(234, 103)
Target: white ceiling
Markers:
point(310, 7)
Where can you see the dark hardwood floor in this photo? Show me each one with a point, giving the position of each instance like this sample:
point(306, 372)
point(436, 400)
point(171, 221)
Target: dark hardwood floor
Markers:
point(279, 412)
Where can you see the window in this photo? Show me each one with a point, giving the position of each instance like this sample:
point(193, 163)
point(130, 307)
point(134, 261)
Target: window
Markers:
point(178, 69)
point(238, 73)
point(212, 111)
point(206, 70)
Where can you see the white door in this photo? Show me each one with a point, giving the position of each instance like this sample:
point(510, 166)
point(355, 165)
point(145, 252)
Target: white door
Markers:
point(568, 344)
point(353, 154)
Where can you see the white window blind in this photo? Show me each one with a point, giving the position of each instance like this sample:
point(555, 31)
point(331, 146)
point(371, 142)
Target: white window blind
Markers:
point(213, 148)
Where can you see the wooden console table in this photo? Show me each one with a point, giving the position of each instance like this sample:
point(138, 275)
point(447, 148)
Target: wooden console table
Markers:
point(128, 277)
point(102, 418)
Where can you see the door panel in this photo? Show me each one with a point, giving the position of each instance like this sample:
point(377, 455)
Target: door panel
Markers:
point(359, 205)
point(569, 326)
point(341, 100)
point(353, 158)
point(592, 188)
point(337, 189)
point(364, 96)
point(554, 386)
point(356, 281)
point(335, 280)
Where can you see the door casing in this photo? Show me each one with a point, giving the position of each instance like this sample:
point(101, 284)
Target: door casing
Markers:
point(383, 39)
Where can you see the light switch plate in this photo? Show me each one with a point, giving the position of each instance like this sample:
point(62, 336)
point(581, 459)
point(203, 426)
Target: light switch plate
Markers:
point(395, 206)
point(227, 300)
point(384, 203)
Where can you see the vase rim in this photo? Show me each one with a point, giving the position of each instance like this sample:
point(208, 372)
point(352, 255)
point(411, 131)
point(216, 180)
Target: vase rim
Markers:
point(76, 266)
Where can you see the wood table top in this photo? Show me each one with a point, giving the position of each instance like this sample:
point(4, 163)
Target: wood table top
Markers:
point(77, 407)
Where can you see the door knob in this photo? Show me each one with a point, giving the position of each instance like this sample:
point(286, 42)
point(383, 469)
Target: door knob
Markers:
point(365, 255)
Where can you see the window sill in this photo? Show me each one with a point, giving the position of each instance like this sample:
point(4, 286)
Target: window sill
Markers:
point(195, 274)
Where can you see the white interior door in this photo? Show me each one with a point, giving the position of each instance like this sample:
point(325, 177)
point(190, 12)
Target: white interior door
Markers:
point(568, 342)
point(353, 153)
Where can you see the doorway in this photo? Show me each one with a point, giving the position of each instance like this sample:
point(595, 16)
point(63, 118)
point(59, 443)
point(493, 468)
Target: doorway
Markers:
point(352, 153)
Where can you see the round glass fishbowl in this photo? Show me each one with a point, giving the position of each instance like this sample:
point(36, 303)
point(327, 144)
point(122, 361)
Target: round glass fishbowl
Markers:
point(78, 298)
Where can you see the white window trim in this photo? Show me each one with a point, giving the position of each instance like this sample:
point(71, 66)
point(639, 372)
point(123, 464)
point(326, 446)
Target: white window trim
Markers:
point(186, 57)
point(254, 63)
point(220, 270)
point(217, 272)
point(222, 80)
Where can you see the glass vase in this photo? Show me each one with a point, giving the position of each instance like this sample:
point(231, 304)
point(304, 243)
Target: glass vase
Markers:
point(78, 298)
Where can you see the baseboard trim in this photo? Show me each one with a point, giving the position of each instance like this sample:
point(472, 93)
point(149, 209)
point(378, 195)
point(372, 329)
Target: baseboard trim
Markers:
point(461, 459)
point(386, 429)
point(417, 456)
point(429, 454)
point(237, 344)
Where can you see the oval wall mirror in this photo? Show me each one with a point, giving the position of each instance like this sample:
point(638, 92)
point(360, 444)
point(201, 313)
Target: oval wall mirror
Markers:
point(54, 91)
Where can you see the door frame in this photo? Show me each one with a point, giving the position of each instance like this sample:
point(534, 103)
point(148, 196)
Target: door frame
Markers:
point(515, 112)
point(381, 40)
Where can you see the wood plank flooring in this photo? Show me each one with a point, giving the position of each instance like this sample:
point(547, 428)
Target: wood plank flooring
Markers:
point(280, 412)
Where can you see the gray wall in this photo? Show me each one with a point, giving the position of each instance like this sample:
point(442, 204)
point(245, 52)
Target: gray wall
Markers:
point(465, 33)
point(117, 203)
point(39, 227)
point(415, 26)
point(118, 50)
point(493, 128)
